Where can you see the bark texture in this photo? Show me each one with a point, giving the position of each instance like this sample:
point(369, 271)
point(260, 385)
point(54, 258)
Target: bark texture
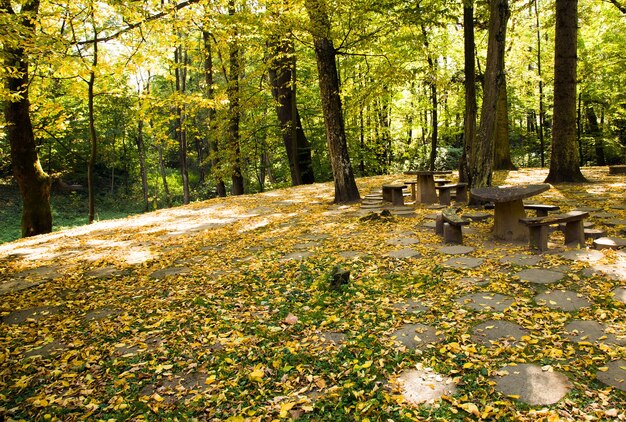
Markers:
point(33, 181)
point(282, 67)
point(502, 149)
point(471, 109)
point(564, 158)
point(345, 185)
point(234, 108)
point(220, 187)
point(481, 151)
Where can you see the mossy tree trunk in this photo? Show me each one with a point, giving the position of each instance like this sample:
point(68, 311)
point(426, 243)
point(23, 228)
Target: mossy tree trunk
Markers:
point(345, 186)
point(564, 158)
point(33, 181)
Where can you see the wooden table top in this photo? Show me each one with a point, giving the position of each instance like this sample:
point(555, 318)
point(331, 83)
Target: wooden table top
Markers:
point(498, 194)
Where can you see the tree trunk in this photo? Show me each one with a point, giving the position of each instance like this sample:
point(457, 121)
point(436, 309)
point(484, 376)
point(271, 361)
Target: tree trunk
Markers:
point(432, 83)
point(469, 126)
point(213, 143)
point(180, 61)
point(564, 160)
point(345, 185)
point(234, 109)
point(91, 189)
point(141, 151)
point(596, 133)
point(481, 158)
point(502, 149)
point(168, 197)
point(32, 180)
point(282, 66)
point(542, 112)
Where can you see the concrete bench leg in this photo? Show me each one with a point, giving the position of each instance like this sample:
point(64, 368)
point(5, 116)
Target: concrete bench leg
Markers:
point(386, 194)
point(538, 237)
point(444, 196)
point(452, 234)
point(575, 233)
point(397, 197)
point(461, 194)
point(439, 225)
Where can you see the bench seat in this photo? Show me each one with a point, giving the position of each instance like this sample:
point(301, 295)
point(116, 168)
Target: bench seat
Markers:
point(449, 224)
point(538, 228)
point(445, 190)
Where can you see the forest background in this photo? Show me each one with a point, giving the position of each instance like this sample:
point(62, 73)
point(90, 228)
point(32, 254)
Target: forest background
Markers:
point(141, 105)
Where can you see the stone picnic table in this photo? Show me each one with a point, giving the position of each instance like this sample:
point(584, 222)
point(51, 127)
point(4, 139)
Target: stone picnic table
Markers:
point(425, 192)
point(509, 207)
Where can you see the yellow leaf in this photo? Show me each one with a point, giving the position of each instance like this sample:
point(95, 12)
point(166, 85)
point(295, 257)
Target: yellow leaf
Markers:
point(470, 408)
point(603, 368)
point(367, 364)
point(257, 374)
point(210, 379)
point(467, 365)
point(286, 407)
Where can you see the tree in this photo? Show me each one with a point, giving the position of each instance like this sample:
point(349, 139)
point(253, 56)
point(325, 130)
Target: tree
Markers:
point(502, 146)
point(564, 159)
point(234, 105)
point(282, 76)
point(481, 152)
point(33, 181)
point(345, 186)
point(471, 109)
point(212, 124)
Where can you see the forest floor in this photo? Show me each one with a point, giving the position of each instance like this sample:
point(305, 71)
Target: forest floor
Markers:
point(223, 310)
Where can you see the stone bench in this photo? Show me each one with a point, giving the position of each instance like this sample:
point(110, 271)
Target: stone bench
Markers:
point(618, 169)
point(393, 193)
point(440, 182)
point(412, 184)
point(538, 228)
point(450, 224)
point(445, 190)
point(542, 210)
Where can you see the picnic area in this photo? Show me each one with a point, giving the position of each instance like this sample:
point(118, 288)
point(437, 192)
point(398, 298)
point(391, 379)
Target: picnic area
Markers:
point(284, 306)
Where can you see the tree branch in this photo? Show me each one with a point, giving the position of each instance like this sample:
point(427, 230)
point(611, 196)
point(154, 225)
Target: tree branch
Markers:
point(621, 7)
point(134, 25)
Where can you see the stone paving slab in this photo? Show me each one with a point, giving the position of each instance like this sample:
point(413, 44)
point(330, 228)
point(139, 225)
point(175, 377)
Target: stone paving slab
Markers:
point(403, 241)
point(609, 243)
point(297, 256)
point(351, 254)
point(498, 331)
point(615, 222)
point(613, 271)
point(24, 316)
point(416, 336)
point(424, 386)
point(565, 300)
point(540, 276)
point(46, 350)
point(614, 374)
point(403, 253)
point(579, 331)
point(456, 250)
point(533, 384)
point(522, 260)
point(463, 262)
point(486, 301)
point(620, 294)
point(411, 305)
point(582, 255)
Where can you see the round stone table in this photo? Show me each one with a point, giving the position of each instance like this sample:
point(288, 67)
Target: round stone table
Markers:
point(509, 207)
